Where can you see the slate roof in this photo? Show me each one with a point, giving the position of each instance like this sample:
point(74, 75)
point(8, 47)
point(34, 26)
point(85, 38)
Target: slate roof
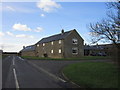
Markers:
point(29, 48)
point(54, 37)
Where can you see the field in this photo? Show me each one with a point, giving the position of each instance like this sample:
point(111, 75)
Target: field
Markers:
point(4, 56)
point(93, 74)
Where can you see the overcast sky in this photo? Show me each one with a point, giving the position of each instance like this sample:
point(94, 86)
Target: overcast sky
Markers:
point(25, 23)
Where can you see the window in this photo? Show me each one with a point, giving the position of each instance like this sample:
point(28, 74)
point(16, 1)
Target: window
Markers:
point(59, 41)
point(75, 50)
point(37, 45)
point(52, 42)
point(74, 41)
point(43, 44)
point(51, 51)
point(59, 50)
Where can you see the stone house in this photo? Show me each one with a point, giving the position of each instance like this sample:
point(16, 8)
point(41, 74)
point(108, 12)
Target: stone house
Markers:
point(28, 51)
point(64, 45)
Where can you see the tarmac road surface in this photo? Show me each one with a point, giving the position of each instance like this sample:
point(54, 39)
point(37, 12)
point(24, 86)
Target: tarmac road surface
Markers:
point(21, 73)
point(18, 73)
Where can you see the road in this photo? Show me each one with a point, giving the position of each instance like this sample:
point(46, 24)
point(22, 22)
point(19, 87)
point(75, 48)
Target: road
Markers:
point(21, 73)
point(55, 66)
point(18, 73)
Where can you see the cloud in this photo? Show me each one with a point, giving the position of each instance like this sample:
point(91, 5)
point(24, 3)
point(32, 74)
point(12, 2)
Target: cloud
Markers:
point(24, 36)
point(10, 47)
point(1, 34)
point(48, 5)
point(93, 34)
point(6, 46)
point(21, 27)
point(19, 35)
point(17, 8)
point(42, 15)
point(9, 8)
point(9, 33)
point(39, 29)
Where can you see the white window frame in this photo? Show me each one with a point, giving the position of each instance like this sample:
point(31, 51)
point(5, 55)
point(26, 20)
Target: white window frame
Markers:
point(52, 51)
point(43, 44)
point(60, 41)
point(60, 51)
point(52, 43)
point(75, 48)
point(74, 41)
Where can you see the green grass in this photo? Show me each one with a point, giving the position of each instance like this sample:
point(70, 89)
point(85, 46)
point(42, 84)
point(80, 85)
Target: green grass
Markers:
point(4, 56)
point(93, 74)
point(82, 58)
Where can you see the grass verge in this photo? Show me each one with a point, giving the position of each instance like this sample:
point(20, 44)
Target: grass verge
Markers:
point(4, 56)
point(93, 74)
point(82, 58)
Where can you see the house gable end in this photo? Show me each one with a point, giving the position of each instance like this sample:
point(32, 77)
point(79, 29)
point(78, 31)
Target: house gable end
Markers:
point(75, 32)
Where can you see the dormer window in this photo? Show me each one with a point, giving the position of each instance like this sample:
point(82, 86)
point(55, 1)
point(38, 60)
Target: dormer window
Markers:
point(43, 44)
point(52, 42)
point(74, 41)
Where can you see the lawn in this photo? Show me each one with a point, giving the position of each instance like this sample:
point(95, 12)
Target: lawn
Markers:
point(82, 58)
point(93, 74)
point(4, 56)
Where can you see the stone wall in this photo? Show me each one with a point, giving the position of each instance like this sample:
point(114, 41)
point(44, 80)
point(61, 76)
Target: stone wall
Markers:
point(68, 45)
point(42, 50)
point(65, 46)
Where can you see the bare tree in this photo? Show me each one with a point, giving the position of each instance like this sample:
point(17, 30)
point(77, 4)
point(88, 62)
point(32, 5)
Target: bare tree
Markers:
point(108, 29)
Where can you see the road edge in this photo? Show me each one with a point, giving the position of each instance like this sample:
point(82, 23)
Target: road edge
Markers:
point(61, 71)
point(66, 78)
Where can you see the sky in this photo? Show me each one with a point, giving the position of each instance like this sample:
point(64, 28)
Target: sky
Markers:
point(25, 23)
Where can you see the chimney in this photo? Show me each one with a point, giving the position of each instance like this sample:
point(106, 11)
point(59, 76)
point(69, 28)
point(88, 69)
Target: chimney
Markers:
point(23, 47)
point(62, 31)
